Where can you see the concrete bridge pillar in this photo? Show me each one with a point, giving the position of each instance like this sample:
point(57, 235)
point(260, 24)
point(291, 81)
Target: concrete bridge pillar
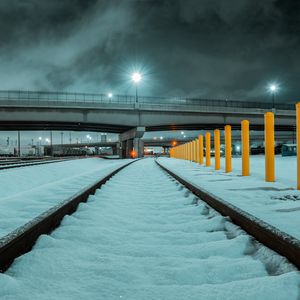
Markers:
point(131, 141)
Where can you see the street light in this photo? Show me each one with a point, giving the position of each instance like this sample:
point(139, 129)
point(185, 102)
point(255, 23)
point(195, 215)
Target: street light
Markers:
point(273, 88)
point(109, 95)
point(136, 77)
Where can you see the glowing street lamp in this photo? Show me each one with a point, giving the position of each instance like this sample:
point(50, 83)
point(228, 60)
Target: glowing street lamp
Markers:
point(89, 137)
point(136, 77)
point(273, 88)
point(109, 95)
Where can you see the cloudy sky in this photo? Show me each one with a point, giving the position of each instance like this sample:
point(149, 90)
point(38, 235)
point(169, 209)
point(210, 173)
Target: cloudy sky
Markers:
point(203, 48)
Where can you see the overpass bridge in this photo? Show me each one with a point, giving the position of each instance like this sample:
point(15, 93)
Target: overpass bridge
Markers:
point(32, 110)
point(28, 110)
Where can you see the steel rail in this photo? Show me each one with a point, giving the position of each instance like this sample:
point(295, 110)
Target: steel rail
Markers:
point(23, 238)
point(275, 239)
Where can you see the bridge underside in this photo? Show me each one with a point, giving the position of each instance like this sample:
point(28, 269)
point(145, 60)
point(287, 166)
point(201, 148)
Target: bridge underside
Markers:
point(68, 126)
point(258, 127)
point(96, 127)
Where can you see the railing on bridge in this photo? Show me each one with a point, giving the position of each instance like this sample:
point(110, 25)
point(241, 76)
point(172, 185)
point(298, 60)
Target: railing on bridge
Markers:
point(66, 98)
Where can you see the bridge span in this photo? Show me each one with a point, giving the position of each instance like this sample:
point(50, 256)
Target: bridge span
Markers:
point(28, 110)
point(96, 112)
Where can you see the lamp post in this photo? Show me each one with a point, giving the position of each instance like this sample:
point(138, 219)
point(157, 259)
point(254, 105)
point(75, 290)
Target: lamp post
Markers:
point(273, 88)
point(136, 77)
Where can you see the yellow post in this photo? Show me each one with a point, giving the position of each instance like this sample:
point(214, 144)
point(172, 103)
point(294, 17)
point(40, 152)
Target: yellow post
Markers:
point(298, 143)
point(245, 148)
point(194, 151)
point(190, 151)
point(200, 149)
point(207, 150)
point(269, 147)
point(228, 166)
point(217, 143)
point(197, 151)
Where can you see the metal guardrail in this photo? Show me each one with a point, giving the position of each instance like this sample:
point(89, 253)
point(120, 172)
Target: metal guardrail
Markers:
point(65, 98)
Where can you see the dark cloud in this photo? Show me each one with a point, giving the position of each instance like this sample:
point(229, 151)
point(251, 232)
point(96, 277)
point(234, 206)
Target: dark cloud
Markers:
point(208, 48)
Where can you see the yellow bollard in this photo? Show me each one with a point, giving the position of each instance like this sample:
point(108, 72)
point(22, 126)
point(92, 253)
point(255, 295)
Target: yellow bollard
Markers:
point(194, 150)
point(217, 143)
point(207, 149)
point(245, 148)
point(228, 165)
point(269, 147)
point(200, 149)
point(197, 151)
point(190, 151)
point(298, 143)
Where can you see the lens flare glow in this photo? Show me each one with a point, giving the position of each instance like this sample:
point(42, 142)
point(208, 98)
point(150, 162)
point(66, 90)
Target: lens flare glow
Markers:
point(136, 77)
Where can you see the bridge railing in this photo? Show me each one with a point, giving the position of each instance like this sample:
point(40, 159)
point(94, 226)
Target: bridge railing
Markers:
point(66, 98)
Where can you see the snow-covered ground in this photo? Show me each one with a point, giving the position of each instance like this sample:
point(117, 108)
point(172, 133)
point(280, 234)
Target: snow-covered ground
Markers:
point(29, 191)
point(276, 203)
point(142, 236)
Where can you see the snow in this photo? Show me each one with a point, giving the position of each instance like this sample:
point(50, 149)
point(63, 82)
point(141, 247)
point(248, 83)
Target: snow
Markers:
point(144, 236)
point(29, 191)
point(276, 203)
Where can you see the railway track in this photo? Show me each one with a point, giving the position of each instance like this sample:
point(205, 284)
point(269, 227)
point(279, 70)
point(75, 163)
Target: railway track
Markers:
point(144, 235)
point(23, 238)
point(20, 164)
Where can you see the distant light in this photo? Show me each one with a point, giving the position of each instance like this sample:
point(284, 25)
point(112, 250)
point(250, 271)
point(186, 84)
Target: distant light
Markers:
point(40, 138)
point(182, 132)
point(155, 138)
point(184, 136)
point(47, 140)
point(136, 77)
point(273, 88)
point(133, 154)
point(174, 143)
point(238, 148)
point(109, 95)
point(161, 137)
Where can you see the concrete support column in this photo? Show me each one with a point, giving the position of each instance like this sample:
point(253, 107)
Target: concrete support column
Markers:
point(138, 146)
point(132, 140)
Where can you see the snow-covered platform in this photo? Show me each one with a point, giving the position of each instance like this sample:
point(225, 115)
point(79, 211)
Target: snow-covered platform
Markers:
point(28, 192)
point(144, 236)
point(277, 204)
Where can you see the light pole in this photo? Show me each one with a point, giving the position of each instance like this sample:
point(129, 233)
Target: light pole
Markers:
point(136, 77)
point(273, 88)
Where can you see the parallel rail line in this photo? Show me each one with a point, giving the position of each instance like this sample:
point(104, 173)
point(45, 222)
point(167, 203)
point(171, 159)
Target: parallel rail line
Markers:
point(281, 242)
point(29, 163)
point(23, 238)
